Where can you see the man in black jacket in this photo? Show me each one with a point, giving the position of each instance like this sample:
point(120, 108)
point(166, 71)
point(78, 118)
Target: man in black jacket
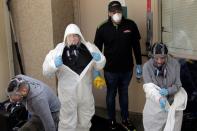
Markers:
point(119, 36)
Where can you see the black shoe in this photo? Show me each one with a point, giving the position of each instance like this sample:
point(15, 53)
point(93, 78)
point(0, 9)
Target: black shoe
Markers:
point(128, 126)
point(112, 125)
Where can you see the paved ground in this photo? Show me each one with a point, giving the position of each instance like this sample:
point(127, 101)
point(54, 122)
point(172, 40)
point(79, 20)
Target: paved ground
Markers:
point(99, 121)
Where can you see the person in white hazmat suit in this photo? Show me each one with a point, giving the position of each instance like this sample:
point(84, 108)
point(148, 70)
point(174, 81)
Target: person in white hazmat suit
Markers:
point(73, 61)
point(162, 72)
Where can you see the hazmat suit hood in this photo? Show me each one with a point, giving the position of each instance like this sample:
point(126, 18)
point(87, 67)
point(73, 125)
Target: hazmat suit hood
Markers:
point(73, 29)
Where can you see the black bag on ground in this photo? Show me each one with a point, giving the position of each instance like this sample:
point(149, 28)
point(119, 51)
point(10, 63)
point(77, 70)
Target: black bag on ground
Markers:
point(189, 122)
point(12, 115)
point(189, 82)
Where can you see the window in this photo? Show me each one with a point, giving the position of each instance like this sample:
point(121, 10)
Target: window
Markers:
point(179, 27)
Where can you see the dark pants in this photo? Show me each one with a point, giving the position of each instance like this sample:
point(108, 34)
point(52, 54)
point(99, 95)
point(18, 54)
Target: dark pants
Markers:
point(35, 123)
point(117, 82)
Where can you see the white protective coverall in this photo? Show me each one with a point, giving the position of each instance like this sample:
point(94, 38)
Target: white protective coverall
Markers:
point(156, 119)
point(74, 91)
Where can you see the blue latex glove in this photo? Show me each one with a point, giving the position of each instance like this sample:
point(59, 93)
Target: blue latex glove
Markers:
point(96, 73)
point(138, 71)
point(162, 102)
point(96, 56)
point(58, 61)
point(163, 91)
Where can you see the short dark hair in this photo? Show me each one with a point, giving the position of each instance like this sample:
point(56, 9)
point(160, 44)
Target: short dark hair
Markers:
point(114, 5)
point(159, 48)
point(12, 85)
point(15, 83)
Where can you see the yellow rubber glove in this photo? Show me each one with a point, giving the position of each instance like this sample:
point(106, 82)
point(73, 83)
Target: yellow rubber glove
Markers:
point(99, 82)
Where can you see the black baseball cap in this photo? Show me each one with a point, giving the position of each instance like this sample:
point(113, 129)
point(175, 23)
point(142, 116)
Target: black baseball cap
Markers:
point(114, 5)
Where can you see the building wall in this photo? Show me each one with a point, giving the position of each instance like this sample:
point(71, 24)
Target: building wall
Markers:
point(156, 20)
point(5, 66)
point(33, 25)
point(40, 25)
point(62, 15)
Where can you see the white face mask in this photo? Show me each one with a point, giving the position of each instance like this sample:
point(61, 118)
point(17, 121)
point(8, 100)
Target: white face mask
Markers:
point(117, 17)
